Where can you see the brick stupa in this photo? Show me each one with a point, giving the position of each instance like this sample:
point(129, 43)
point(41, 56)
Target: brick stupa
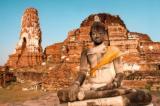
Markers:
point(28, 51)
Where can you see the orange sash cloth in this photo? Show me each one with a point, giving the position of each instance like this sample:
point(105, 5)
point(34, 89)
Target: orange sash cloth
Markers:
point(112, 53)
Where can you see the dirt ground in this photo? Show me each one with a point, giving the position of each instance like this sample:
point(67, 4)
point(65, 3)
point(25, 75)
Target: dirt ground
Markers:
point(15, 93)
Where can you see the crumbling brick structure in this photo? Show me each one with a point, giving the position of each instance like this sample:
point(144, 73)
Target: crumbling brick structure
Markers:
point(28, 51)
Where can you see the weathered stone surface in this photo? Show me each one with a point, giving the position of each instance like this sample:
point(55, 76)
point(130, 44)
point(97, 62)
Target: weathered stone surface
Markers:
point(53, 53)
point(60, 76)
point(143, 79)
point(28, 51)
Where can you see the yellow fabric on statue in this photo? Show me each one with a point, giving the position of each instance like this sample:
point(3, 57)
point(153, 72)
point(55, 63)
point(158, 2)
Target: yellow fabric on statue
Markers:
point(112, 53)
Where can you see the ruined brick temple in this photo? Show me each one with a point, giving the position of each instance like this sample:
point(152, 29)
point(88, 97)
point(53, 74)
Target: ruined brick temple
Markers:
point(143, 54)
point(28, 50)
point(62, 59)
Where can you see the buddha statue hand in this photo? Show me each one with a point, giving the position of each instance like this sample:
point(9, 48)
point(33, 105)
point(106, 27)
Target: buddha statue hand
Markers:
point(68, 94)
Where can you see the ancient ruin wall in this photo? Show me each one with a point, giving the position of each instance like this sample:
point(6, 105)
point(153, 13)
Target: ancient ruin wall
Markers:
point(137, 44)
point(28, 51)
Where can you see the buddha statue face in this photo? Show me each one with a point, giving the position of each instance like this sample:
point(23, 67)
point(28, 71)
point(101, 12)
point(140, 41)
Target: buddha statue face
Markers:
point(97, 33)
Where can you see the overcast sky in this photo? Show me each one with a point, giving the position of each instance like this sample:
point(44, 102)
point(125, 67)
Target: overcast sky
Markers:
point(57, 17)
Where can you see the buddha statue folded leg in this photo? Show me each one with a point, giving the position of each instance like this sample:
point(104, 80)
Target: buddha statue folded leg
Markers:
point(139, 97)
point(126, 97)
point(92, 94)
